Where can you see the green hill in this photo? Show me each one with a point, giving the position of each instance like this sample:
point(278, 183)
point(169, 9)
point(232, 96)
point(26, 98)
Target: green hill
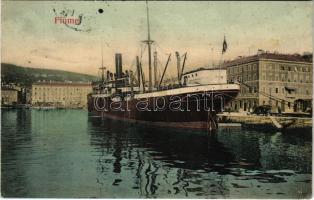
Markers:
point(27, 76)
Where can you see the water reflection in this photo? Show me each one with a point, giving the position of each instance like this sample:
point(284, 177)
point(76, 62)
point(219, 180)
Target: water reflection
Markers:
point(184, 164)
point(66, 153)
point(14, 138)
point(169, 162)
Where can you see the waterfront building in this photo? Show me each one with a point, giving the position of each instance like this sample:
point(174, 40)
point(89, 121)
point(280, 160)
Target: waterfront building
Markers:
point(282, 81)
point(9, 95)
point(61, 94)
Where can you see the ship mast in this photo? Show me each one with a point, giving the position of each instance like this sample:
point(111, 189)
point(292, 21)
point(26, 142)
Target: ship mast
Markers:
point(149, 43)
point(102, 68)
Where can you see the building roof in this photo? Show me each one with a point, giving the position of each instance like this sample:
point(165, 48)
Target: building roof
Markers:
point(8, 88)
point(270, 56)
point(62, 84)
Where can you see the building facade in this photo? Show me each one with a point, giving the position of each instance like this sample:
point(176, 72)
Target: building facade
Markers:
point(282, 81)
point(9, 96)
point(60, 94)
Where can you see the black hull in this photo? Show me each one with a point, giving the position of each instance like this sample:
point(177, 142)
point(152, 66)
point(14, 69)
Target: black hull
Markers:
point(194, 111)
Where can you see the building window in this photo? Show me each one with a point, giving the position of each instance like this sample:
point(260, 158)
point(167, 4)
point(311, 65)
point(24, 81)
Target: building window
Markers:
point(282, 67)
point(289, 105)
point(276, 90)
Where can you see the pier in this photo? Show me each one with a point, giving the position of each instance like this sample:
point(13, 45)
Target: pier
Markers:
point(274, 122)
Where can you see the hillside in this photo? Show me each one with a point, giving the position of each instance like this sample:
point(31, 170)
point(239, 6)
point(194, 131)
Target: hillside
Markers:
point(26, 76)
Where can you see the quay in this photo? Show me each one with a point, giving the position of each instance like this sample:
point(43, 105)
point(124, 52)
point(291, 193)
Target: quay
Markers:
point(270, 121)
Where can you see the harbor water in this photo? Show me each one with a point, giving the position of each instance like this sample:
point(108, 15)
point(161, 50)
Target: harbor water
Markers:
point(70, 153)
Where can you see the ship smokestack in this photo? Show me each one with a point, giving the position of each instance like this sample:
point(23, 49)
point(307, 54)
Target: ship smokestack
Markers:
point(118, 65)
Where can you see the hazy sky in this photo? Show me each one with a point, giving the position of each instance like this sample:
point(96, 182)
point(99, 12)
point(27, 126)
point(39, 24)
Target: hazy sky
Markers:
point(31, 38)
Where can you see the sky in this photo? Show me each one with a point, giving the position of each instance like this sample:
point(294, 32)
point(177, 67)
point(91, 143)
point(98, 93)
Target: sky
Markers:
point(31, 38)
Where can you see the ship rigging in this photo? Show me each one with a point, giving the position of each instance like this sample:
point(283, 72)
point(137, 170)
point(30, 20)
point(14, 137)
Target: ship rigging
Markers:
point(125, 96)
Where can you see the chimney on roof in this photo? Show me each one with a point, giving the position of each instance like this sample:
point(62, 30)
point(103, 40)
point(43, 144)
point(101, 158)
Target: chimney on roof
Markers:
point(308, 56)
point(306, 53)
point(260, 51)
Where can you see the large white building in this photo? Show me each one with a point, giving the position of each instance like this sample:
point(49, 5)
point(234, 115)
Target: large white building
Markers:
point(60, 94)
point(283, 81)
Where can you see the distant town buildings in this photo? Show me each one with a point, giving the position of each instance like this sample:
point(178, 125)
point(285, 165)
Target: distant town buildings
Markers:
point(281, 81)
point(60, 94)
point(9, 94)
point(285, 82)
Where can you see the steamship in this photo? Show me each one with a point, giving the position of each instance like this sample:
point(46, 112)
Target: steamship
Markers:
point(184, 104)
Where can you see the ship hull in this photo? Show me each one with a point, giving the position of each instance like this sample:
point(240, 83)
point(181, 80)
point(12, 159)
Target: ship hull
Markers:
point(191, 109)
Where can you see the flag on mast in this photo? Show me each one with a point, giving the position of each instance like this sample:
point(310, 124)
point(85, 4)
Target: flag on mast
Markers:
point(224, 46)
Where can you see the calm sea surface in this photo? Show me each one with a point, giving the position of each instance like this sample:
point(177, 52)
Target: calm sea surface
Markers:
point(68, 153)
